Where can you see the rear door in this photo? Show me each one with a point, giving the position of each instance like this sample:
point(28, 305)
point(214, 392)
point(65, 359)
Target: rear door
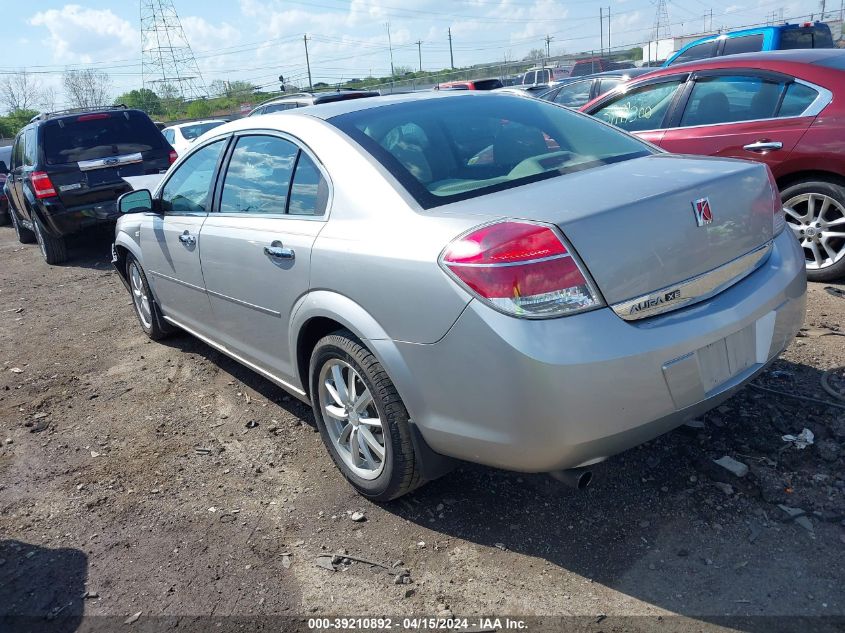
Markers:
point(256, 246)
point(88, 156)
point(742, 114)
point(170, 240)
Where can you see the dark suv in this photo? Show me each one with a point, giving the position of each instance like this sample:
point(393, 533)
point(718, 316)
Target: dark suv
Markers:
point(302, 99)
point(67, 170)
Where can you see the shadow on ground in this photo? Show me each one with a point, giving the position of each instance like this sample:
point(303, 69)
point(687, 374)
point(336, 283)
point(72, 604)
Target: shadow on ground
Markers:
point(41, 589)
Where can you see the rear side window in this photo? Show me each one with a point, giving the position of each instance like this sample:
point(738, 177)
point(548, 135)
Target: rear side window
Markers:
point(259, 175)
point(797, 99)
point(444, 150)
point(643, 109)
point(574, 95)
point(806, 37)
point(99, 135)
point(29, 149)
point(744, 44)
point(730, 99)
point(699, 51)
point(169, 135)
point(17, 152)
point(309, 192)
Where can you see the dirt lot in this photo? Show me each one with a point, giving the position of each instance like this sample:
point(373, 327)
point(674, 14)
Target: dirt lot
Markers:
point(131, 484)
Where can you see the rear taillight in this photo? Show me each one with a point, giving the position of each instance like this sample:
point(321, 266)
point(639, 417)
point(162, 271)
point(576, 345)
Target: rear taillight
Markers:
point(778, 216)
point(41, 185)
point(520, 268)
point(173, 156)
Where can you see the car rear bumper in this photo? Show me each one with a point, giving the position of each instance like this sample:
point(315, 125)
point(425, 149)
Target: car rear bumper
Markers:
point(542, 395)
point(61, 220)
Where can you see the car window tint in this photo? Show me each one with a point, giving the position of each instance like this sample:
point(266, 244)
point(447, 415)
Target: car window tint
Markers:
point(443, 150)
point(29, 147)
point(258, 175)
point(642, 109)
point(744, 44)
point(797, 99)
point(309, 192)
point(187, 189)
point(100, 135)
point(806, 37)
point(699, 51)
point(169, 135)
point(18, 151)
point(196, 130)
point(574, 95)
point(606, 85)
point(730, 99)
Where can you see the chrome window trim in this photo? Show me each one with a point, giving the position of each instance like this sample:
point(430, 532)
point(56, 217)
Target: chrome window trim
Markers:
point(695, 289)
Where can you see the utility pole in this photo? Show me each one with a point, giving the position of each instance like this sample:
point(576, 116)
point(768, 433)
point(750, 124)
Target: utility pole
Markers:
point(609, 47)
point(390, 46)
point(548, 48)
point(308, 63)
point(451, 57)
point(823, 2)
point(601, 31)
point(419, 50)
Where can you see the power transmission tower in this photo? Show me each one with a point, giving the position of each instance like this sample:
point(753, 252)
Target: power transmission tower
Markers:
point(167, 61)
point(661, 22)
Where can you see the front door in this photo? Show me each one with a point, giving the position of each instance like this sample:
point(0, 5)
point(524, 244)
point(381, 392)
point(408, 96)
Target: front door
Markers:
point(170, 240)
point(256, 247)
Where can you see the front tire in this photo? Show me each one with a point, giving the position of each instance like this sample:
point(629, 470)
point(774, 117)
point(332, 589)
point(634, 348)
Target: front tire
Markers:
point(361, 418)
point(53, 248)
point(815, 211)
point(146, 309)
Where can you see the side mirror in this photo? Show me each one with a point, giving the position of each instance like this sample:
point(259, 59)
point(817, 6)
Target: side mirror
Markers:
point(140, 201)
point(3, 167)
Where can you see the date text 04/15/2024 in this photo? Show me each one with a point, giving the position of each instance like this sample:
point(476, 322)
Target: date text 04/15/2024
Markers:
point(417, 624)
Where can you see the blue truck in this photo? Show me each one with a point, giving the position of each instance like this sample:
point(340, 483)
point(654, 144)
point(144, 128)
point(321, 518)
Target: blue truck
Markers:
point(764, 38)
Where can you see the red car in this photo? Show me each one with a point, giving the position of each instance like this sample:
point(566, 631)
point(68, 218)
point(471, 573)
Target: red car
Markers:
point(783, 108)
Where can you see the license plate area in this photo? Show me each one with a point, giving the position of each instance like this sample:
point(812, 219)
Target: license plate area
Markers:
point(726, 358)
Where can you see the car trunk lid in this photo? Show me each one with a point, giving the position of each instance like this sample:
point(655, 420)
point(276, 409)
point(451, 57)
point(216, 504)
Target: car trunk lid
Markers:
point(634, 223)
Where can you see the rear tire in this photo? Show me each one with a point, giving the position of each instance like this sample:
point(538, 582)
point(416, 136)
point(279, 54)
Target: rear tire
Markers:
point(4, 217)
point(53, 248)
point(813, 205)
point(146, 309)
point(25, 236)
point(397, 472)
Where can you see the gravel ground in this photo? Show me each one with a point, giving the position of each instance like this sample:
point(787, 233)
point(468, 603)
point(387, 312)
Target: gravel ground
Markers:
point(132, 481)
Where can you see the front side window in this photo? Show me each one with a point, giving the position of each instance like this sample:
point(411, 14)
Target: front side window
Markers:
point(444, 150)
point(699, 51)
point(730, 99)
point(643, 109)
point(187, 190)
point(744, 44)
point(259, 175)
point(574, 95)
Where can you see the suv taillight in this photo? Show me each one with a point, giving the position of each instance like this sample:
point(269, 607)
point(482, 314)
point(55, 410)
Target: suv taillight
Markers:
point(41, 185)
point(520, 268)
point(778, 217)
point(173, 156)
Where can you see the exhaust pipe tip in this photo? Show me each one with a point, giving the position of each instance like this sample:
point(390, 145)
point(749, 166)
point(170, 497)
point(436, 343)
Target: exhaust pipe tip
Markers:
point(578, 478)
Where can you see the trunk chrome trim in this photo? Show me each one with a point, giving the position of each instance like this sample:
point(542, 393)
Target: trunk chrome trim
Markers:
point(693, 290)
point(110, 161)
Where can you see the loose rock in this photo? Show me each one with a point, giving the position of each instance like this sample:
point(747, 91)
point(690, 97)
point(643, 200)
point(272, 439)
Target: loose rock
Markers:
point(733, 466)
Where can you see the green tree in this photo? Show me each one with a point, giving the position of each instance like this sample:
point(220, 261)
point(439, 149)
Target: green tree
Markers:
point(199, 109)
point(14, 121)
point(143, 99)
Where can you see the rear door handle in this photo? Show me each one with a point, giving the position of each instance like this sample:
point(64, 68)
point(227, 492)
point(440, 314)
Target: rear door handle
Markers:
point(277, 250)
point(763, 146)
point(187, 239)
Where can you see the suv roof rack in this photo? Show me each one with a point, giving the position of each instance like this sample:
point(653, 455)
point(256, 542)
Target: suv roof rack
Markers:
point(49, 115)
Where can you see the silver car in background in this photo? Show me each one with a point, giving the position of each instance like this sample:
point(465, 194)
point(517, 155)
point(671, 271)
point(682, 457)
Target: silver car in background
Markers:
point(467, 276)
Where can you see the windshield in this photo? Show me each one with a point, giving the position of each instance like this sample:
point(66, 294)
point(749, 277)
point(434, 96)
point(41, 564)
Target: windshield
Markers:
point(99, 135)
point(191, 132)
point(453, 148)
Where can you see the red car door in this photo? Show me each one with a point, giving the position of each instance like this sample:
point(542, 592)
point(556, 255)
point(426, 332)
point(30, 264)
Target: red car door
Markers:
point(740, 115)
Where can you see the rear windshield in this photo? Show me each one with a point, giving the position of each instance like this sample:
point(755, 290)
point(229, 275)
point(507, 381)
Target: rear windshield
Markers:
point(92, 136)
point(191, 132)
point(463, 146)
point(806, 37)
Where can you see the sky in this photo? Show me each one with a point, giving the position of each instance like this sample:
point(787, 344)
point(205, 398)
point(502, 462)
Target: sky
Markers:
point(256, 40)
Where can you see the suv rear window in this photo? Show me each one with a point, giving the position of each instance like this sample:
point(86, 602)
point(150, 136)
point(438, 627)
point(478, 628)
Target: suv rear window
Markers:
point(806, 37)
point(459, 147)
point(99, 135)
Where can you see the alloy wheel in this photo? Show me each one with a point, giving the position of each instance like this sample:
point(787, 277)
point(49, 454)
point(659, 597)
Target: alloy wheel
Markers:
point(139, 296)
point(351, 419)
point(818, 221)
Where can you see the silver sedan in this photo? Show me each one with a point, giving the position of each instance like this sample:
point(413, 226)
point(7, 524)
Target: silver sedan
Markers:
point(467, 276)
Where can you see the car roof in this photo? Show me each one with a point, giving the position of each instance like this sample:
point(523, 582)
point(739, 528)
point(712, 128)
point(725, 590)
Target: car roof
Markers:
point(761, 60)
point(196, 123)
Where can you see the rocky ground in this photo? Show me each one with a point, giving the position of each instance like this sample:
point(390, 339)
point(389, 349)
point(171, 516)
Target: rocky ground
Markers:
point(164, 484)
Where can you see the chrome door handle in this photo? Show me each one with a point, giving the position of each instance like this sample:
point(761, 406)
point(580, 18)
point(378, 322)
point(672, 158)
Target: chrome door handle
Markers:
point(187, 239)
point(277, 251)
point(763, 146)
